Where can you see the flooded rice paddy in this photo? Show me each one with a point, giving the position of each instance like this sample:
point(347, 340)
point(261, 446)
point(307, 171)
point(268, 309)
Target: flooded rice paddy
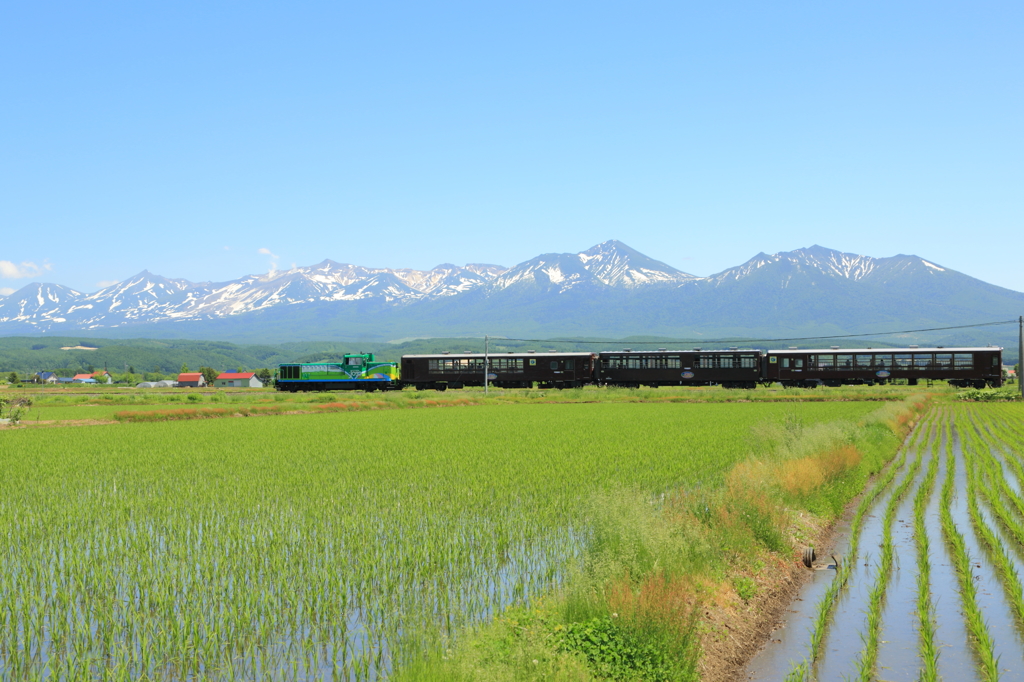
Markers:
point(929, 583)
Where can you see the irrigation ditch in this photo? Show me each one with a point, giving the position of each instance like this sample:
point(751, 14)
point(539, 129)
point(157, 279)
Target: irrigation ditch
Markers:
point(929, 582)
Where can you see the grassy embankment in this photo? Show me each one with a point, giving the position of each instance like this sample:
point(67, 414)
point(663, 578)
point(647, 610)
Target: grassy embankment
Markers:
point(56, 404)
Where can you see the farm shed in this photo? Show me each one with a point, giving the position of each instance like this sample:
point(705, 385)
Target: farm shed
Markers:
point(191, 380)
point(166, 383)
point(238, 380)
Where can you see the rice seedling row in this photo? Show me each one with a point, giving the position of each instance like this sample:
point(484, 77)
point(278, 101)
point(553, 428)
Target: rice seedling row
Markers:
point(805, 669)
point(869, 654)
point(984, 443)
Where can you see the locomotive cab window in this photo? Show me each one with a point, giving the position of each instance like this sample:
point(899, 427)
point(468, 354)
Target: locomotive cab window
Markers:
point(554, 364)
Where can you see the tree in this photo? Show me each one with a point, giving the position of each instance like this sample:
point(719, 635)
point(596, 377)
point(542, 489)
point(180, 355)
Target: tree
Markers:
point(184, 367)
point(264, 375)
point(12, 378)
point(131, 370)
point(209, 373)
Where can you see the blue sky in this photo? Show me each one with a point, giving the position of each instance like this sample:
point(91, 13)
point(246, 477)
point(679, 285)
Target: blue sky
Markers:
point(212, 140)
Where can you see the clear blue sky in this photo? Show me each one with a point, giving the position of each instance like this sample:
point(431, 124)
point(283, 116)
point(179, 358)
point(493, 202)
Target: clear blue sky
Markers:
point(184, 138)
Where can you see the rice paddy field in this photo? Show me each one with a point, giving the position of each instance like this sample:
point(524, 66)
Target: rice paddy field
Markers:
point(342, 546)
point(929, 584)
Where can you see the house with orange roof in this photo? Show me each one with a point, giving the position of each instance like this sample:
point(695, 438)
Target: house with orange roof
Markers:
point(237, 380)
point(96, 377)
point(191, 380)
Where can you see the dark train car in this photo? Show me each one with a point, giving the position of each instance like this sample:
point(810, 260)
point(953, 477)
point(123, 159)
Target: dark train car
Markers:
point(506, 370)
point(978, 367)
point(732, 368)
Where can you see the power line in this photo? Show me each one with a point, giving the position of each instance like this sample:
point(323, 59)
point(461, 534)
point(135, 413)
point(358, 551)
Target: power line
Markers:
point(763, 340)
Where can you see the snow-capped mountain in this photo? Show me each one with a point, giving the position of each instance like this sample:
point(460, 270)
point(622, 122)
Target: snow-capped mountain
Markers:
point(609, 264)
point(824, 262)
point(151, 298)
point(609, 288)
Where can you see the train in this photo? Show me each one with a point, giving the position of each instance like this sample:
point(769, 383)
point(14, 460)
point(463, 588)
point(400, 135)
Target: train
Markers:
point(728, 368)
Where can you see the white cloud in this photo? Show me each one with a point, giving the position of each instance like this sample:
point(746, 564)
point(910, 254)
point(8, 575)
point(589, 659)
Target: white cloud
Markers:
point(10, 270)
point(6, 291)
point(273, 259)
point(104, 283)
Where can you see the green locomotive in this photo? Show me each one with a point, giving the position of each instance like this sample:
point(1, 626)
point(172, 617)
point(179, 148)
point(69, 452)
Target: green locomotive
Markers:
point(356, 372)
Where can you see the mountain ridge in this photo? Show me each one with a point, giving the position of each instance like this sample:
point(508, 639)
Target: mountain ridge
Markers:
point(609, 288)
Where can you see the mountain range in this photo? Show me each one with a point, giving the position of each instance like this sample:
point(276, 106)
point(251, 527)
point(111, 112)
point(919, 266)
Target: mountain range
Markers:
point(609, 290)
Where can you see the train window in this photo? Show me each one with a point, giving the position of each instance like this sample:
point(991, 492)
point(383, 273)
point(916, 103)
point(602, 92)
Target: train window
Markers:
point(995, 361)
point(844, 361)
point(883, 361)
point(725, 361)
point(354, 362)
point(748, 361)
point(903, 360)
point(943, 360)
point(826, 362)
point(554, 364)
point(922, 362)
point(862, 361)
point(673, 363)
point(963, 361)
point(570, 364)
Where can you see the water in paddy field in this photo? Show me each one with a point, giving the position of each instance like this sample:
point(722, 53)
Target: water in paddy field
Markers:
point(899, 640)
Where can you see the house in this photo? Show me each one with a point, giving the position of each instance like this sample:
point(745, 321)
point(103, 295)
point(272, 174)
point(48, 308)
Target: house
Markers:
point(97, 378)
point(191, 380)
point(237, 380)
point(46, 377)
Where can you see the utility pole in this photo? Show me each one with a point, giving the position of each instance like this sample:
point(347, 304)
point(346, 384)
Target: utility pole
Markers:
point(487, 368)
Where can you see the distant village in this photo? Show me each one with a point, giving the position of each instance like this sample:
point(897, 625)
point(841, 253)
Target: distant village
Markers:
point(185, 379)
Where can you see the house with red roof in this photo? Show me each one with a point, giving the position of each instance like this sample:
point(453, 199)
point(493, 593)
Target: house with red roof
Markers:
point(237, 380)
point(191, 380)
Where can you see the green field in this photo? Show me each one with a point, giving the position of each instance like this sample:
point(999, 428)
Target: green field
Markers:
point(309, 546)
